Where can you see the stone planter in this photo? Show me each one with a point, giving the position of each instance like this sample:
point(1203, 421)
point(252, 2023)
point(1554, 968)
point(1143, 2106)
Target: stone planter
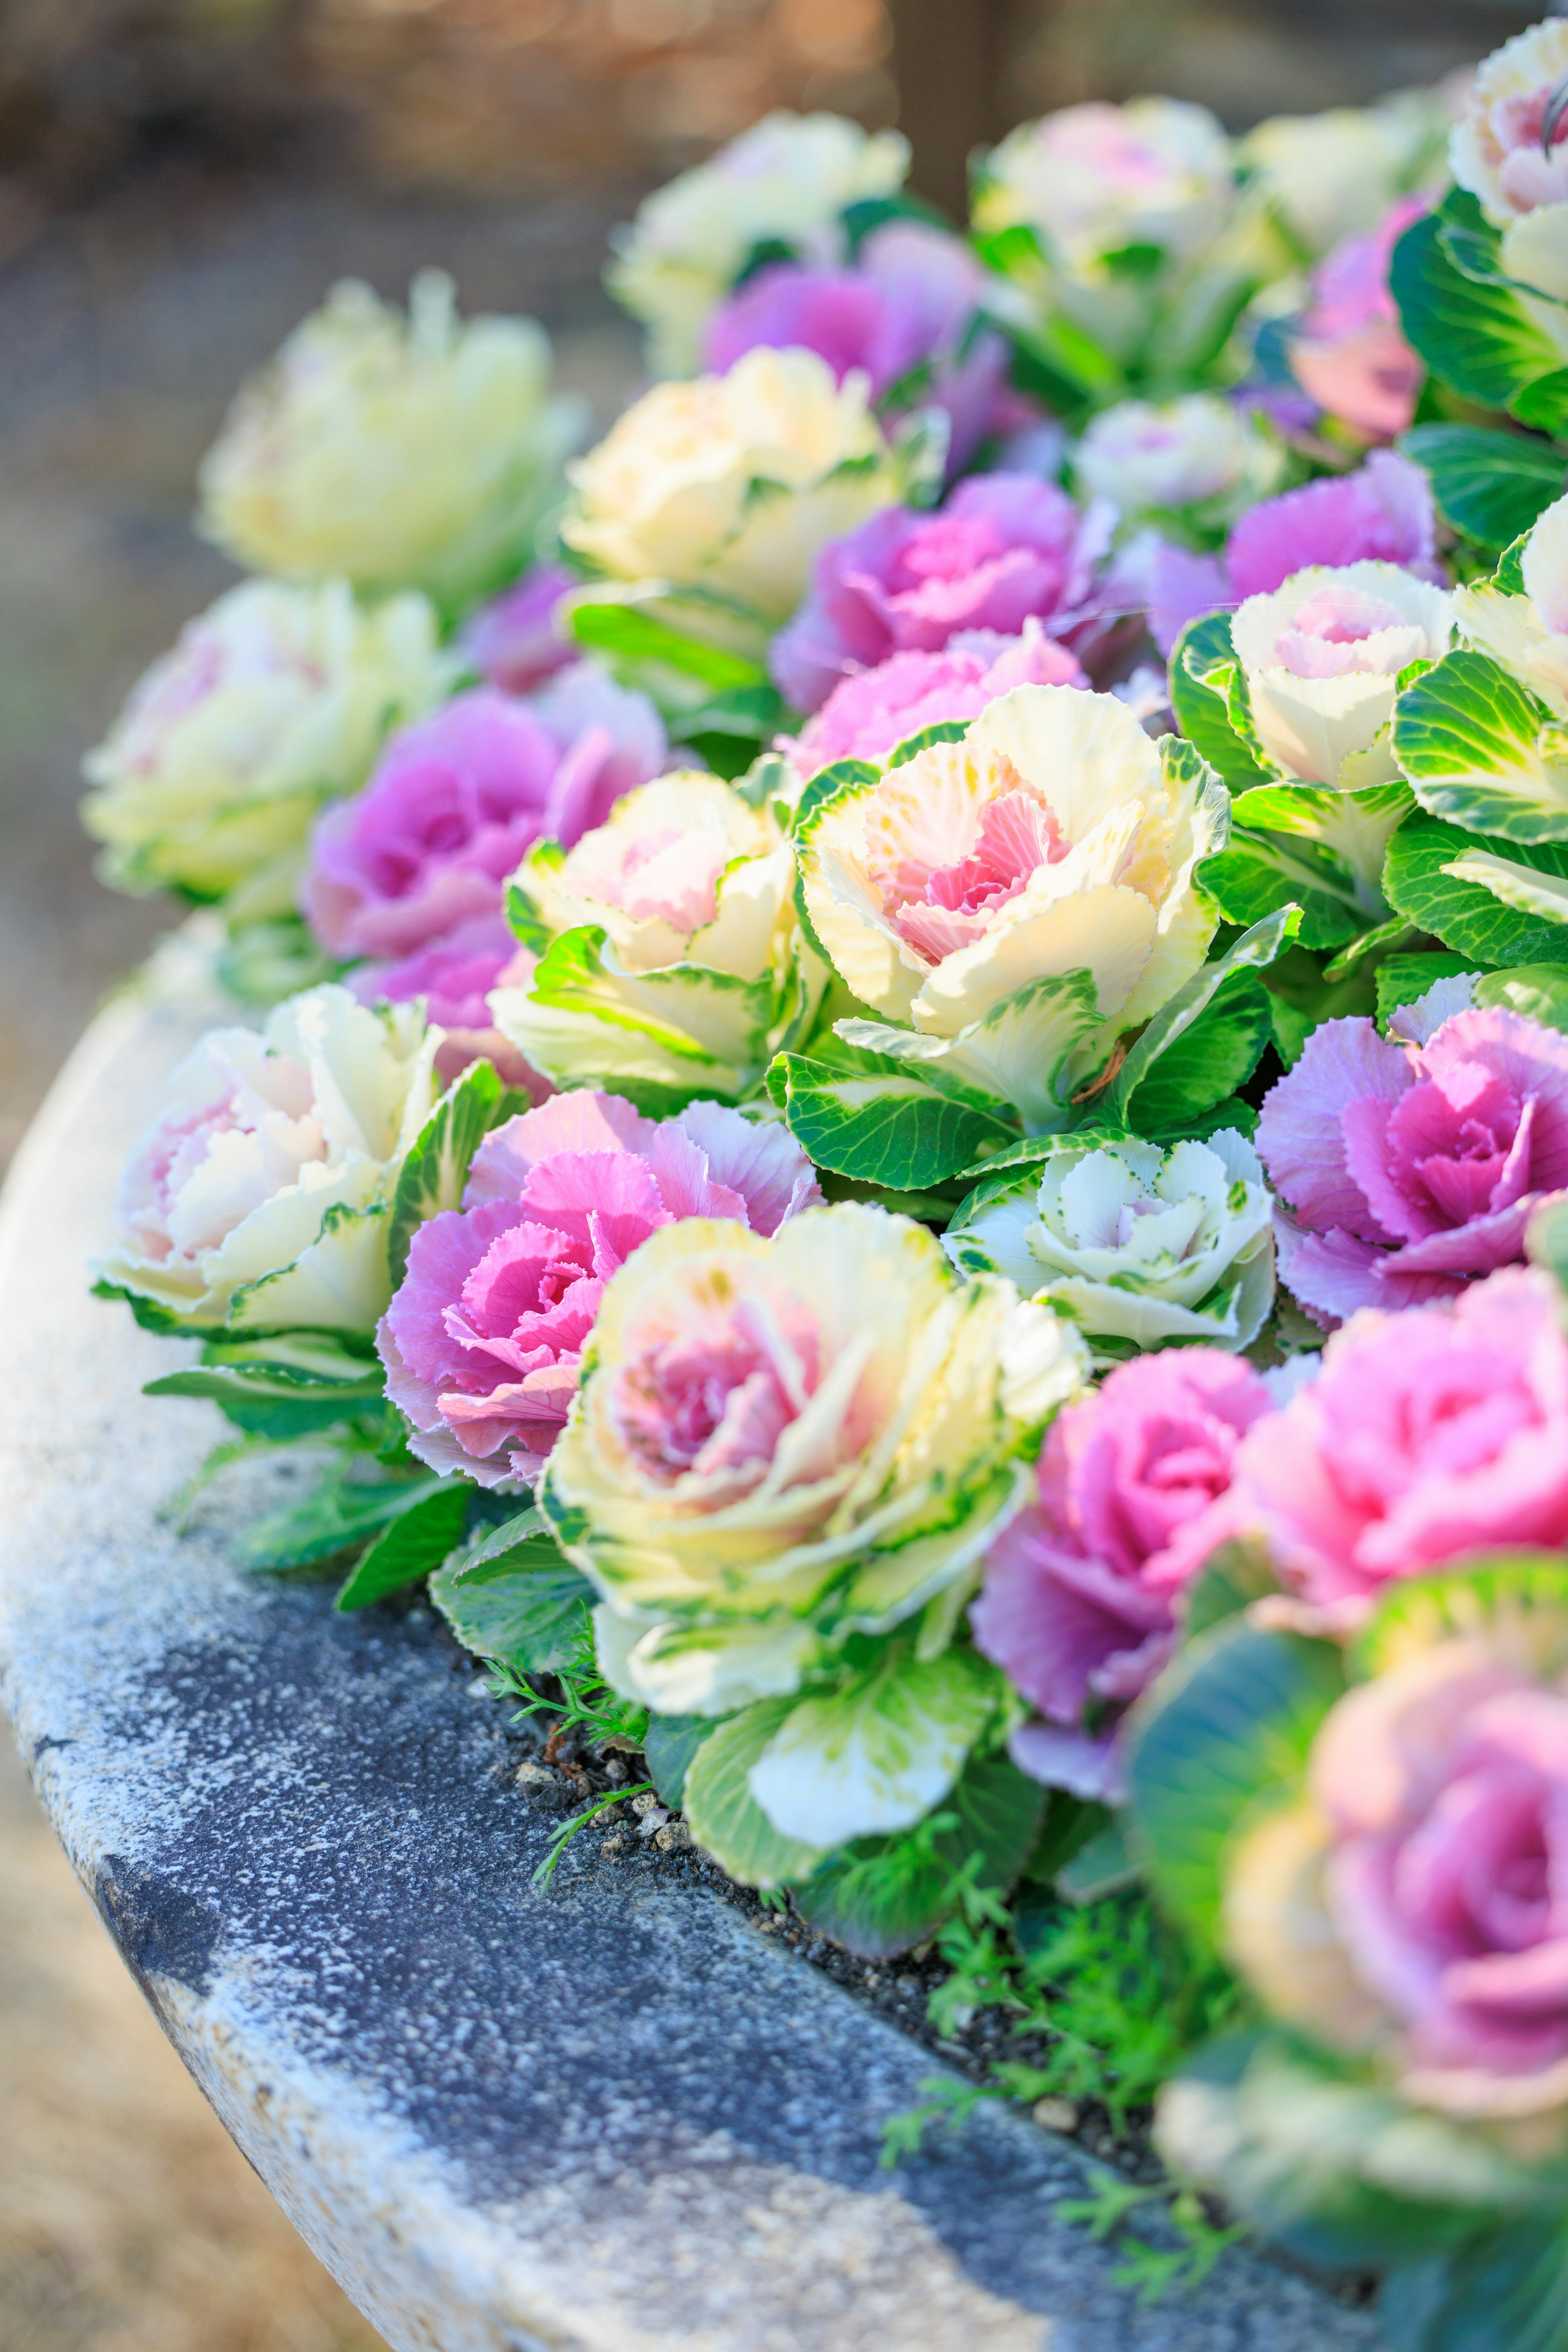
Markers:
point(610, 2116)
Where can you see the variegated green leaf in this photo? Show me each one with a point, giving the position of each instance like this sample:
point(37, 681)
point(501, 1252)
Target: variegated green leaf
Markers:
point(1481, 750)
point(433, 1175)
point(1256, 949)
point(884, 1122)
point(1519, 887)
point(662, 1038)
point(1489, 484)
point(1471, 920)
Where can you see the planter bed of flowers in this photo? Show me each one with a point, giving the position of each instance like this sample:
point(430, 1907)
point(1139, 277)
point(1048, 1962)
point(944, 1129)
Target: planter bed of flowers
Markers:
point(898, 1103)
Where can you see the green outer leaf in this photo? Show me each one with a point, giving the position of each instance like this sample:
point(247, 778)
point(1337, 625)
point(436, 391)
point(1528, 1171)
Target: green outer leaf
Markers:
point(626, 632)
point(670, 1744)
point(264, 1394)
point(1538, 991)
point(1258, 873)
point(1338, 2169)
point(1544, 403)
point(1255, 947)
point(528, 1608)
point(1226, 1726)
point(509, 1536)
point(1476, 338)
point(1230, 1581)
point(433, 1175)
point(843, 775)
point(884, 1124)
point(1466, 736)
point(1202, 668)
point(1519, 1594)
point(1101, 1867)
point(151, 1314)
point(1466, 918)
point(1509, 577)
point(1506, 2291)
point(1400, 980)
point(1489, 484)
point(724, 1817)
point(881, 1895)
point(338, 1514)
point(1302, 998)
point(941, 730)
point(1372, 947)
point(417, 1541)
point(1214, 1057)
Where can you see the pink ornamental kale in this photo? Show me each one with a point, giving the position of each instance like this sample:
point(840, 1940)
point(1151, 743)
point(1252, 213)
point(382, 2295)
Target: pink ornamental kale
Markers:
point(1410, 1169)
point(901, 313)
point(1381, 513)
point(483, 1341)
point(1441, 1790)
point(1004, 548)
point(1078, 1602)
point(1427, 1434)
point(512, 641)
point(1350, 355)
point(868, 715)
point(457, 799)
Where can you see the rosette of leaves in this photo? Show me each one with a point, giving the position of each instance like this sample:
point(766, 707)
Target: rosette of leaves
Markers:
point(1112, 280)
point(1019, 1029)
point(670, 964)
point(1311, 846)
point(1330, 2127)
point(284, 1380)
point(1140, 1244)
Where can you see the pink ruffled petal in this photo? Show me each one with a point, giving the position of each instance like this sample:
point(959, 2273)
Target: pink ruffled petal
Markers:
point(1299, 1136)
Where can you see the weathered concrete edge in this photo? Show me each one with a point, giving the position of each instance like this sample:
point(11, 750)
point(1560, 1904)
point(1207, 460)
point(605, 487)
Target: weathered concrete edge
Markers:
point(390, 2213)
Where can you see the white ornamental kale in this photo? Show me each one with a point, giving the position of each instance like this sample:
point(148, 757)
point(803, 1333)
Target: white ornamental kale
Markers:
point(1010, 903)
point(1133, 1241)
point(1322, 656)
point(730, 485)
point(274, 701)
point(782, 1446)
point(396, 453)
point(670, 960)
point(259, 1198)
point(1200, 454)
point(785, 183)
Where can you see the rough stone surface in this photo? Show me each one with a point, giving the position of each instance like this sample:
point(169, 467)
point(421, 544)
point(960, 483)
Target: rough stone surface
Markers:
point(611, 2118)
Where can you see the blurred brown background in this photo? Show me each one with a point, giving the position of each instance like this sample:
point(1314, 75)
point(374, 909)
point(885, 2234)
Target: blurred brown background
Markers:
point(179, 180)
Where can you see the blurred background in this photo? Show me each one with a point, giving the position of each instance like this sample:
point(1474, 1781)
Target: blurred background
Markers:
point(180, 180)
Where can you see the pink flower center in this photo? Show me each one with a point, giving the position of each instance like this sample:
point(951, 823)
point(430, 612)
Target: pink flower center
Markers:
point(952, 547)
point(1340, 630)
point(948, 907)
point(1521, 122)
point(712, 1402)
point(664, 874)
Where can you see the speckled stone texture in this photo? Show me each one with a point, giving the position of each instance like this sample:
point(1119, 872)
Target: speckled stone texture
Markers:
point(611, 2118)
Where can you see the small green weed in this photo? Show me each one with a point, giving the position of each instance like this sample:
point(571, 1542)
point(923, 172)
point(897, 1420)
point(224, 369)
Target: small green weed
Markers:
point(1106, 2002)
point(568, 1829)
point(578, 1694)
